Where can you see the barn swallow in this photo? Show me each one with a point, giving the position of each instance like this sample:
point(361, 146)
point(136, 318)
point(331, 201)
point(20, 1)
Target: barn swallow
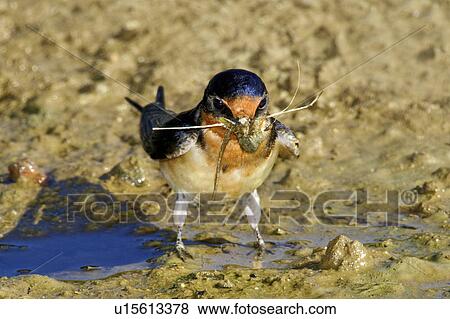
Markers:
point(237, 99)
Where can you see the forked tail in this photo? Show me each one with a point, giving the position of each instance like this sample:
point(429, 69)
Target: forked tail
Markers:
point(159, 101)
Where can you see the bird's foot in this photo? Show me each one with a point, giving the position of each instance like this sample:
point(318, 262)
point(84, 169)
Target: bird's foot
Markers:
point(261, 249)
point(182, 252)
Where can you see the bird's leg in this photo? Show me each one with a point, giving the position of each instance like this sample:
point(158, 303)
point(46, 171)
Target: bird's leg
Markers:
point(253, 212)
point(179, 217)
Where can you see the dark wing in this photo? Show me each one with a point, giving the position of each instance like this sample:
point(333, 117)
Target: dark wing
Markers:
point(286, 137)
point(169, 143)
point(166, 144)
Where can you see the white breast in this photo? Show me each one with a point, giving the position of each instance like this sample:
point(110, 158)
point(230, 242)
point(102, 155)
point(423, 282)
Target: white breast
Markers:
point(193, 172)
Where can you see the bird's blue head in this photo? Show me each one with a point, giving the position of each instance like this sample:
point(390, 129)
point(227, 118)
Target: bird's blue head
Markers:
point(234, 94)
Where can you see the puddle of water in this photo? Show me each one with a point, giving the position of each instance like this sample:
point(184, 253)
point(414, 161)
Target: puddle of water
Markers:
point(113, 250)
point(61, 255)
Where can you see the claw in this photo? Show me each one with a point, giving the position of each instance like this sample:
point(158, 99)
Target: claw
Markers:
point(261, 249)
point(182, 252)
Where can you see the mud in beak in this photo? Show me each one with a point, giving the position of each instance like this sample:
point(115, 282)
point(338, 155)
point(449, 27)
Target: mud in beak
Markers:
point(242, 123)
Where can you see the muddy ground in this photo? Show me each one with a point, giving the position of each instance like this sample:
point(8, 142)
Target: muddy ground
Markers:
point(383, 127)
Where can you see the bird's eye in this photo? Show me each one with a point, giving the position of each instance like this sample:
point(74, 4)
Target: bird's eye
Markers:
point(262, 104)
point(218, 103)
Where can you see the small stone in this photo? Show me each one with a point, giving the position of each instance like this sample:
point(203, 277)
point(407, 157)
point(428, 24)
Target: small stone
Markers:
point(426, 54)
point(387, 243)
point(90, 268)
point(279, 232)
point(200, 293)
point(27, 169)
point(86, 88)
point(225, 284)
point(129, 171)
point(31, 107)
point(345, 254)
point(127, 32)
point(273, 230)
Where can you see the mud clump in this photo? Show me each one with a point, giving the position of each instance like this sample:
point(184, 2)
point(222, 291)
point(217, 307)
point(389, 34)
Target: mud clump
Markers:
point(26, 169)
point(345, 254)
point(225, 284)
point(134, 173)
point(129, 171)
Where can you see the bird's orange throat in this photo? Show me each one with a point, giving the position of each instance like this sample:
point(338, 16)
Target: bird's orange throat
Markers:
point(234, 156)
